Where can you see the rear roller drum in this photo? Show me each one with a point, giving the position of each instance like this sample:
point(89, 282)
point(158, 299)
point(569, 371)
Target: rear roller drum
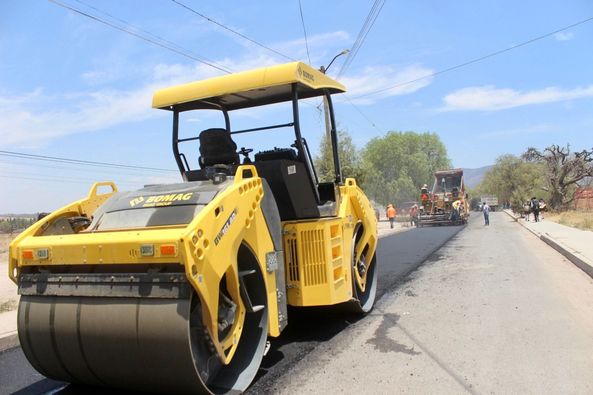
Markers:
point(364, 297)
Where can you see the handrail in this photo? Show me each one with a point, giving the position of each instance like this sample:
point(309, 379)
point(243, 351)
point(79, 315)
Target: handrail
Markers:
point(284, 125)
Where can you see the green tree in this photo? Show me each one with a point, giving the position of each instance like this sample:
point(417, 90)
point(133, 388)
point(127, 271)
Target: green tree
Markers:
point(563, 170)
point(397, 164)
point(349, 159)
point(512, 180)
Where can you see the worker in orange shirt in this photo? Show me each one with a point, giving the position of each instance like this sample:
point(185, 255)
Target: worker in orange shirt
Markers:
point(414, 215)
point(391, 213)
point(424, 192)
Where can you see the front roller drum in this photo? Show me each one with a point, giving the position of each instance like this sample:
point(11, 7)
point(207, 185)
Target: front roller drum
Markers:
point(147, 344)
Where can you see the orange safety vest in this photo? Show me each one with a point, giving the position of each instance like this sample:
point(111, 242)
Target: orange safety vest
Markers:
point(391, 212)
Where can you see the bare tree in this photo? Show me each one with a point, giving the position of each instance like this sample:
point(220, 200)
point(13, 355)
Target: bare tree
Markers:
point(564, 170)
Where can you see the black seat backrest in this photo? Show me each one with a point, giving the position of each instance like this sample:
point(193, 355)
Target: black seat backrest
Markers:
point(217, 148)
point(291, 188)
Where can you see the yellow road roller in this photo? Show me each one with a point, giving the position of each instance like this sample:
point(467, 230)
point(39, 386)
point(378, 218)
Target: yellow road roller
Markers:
point(176, 288)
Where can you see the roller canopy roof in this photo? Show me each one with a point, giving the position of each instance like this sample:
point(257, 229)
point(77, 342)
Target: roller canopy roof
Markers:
point(247, 89)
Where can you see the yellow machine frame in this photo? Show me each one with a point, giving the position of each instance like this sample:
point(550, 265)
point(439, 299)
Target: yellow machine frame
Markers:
point(320, 255)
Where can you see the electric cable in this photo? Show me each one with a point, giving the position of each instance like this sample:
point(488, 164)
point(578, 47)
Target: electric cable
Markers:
point(362, 35)
point(126, 23)
point(304, 31)
point(45, 179)
point(79, 161)
point(147, 39)
point(363, 114)
point(232, 30)
point(476, 60)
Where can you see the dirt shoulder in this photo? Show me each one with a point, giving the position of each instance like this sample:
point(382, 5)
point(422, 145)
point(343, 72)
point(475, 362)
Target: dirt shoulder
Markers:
point(577, 219)
point(8, 289)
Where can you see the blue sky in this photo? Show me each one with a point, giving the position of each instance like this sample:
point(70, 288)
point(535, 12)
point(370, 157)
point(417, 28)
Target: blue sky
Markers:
point(72, 87)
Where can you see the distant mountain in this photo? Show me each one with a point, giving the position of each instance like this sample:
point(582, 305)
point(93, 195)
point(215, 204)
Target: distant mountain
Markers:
point(473, 177)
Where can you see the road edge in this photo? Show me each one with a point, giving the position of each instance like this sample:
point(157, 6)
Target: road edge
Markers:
point(9, 340)
point(574, 257)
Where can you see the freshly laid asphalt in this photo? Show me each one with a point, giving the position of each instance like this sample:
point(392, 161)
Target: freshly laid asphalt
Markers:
point(397, 255)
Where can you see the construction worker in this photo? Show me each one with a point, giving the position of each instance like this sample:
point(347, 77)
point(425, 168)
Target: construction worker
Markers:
point(486, 212)
point(414, 215)
point(424, 192)
point(456, 213)
point(391, 213)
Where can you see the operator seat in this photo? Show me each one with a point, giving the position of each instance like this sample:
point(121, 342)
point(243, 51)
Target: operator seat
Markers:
point(289, 181)
point(217, 148)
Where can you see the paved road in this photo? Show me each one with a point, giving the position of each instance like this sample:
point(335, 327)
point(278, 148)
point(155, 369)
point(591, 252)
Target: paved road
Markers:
point(495, 311)
point(397, 255)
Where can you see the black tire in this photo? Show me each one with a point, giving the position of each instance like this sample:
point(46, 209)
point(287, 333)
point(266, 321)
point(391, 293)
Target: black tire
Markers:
point(365, 300)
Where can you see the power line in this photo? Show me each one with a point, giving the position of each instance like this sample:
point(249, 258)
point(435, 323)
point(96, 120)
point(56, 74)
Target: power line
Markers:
point(97, 171)
point(126, 23)
point(147, 39)
point(476, 60)
point(304, 31)
point(362, 34)
point(55, 180)
point(363, 114)
point(231, 30)
point(26, 175)
point(79, 161)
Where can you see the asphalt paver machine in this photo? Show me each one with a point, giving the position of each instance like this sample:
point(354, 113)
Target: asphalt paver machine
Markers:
point(447, 204)
point(176, 288)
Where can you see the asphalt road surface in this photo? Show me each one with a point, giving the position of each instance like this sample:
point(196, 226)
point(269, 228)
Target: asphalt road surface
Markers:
point(397, 255)
point(495, 311)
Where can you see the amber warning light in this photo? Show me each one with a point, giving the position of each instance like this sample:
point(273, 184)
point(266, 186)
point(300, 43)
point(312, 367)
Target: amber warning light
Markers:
point(168, 249)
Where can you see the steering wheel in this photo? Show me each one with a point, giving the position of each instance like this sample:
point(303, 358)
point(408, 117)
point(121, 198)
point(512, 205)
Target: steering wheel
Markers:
point(245, 152)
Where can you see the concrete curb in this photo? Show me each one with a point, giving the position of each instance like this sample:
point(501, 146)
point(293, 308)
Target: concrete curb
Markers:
point(577, 259)
point(9, 340)
point(574, 257)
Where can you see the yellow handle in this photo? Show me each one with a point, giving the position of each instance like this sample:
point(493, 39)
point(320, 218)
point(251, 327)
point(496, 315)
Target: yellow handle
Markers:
point(241, 170)
point(93, 191)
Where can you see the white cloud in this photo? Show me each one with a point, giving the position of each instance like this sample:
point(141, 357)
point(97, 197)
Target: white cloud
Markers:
point(34, 118)
point(490, 98)
point(564, 36)
point(40, 118)
point(376, 78)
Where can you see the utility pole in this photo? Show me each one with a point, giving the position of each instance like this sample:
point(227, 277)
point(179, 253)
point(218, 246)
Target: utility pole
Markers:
point(327, 121)
point(325, 102)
